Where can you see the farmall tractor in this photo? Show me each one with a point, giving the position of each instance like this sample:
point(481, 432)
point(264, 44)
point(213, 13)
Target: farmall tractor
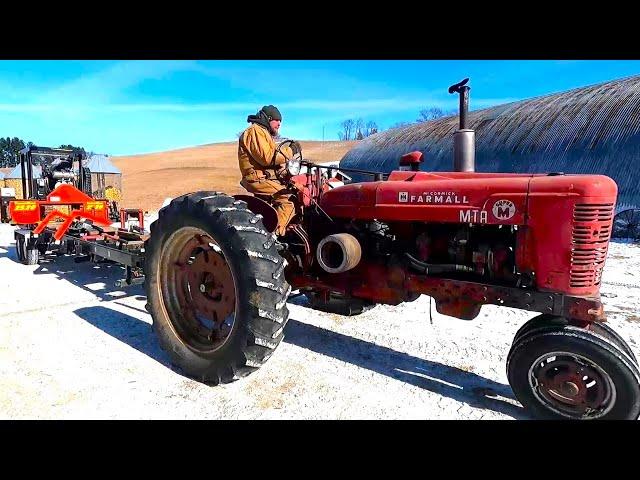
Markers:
point(218, 278)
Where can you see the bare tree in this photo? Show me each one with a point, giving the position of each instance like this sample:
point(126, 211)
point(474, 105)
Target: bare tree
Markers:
point(347, 129)
point(359, 127)
point(370, 128)
point(432, 113)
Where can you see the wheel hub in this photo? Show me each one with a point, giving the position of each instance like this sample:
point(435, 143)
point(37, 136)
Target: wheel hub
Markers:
point(200, 290)
point(571, 384)
point(570, 389)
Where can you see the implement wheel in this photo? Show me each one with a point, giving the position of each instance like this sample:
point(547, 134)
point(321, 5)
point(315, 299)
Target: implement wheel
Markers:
point(21, 249)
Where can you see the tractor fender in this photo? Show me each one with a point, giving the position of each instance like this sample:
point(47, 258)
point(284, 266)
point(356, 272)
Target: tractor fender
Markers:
point(259, 206)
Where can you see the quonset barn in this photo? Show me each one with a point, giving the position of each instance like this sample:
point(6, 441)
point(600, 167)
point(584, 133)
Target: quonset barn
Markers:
point(594, 129)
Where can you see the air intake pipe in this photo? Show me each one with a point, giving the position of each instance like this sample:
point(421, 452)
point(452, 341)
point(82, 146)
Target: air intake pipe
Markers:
point(464, 139)
point(338, 253)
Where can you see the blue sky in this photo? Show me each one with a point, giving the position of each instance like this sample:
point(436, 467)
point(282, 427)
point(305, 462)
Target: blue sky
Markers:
point(129, 107)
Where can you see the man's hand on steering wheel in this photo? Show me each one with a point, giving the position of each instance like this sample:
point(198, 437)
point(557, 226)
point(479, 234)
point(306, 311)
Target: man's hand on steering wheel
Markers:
point(293, 146)
point(292, 164)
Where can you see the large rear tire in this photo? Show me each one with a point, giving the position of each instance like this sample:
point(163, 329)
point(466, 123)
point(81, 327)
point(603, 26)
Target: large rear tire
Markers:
point(215, 287)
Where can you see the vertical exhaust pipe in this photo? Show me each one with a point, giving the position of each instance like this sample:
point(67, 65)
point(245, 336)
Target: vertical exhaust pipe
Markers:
point(23, 171)
point(81, 173)
point(31, 192)
point(464, 139)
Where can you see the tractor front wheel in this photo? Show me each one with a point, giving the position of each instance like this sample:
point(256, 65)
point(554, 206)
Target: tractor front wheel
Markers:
point(547, 321)
point(215, 287)
point(566, 372)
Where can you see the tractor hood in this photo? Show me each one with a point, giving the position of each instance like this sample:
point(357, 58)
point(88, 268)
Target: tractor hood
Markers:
point(468, 197)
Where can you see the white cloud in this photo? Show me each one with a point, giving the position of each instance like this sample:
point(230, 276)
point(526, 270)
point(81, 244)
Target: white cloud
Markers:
point(110, 83)
point(346, 106)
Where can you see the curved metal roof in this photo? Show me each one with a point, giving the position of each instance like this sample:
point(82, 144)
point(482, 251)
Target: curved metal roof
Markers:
point(593, 129)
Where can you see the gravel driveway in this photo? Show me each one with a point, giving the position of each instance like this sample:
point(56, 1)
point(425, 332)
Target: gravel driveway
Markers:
point(73, 346)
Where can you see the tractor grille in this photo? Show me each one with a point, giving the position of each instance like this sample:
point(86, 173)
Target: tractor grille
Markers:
point(593, 212)
point(590, 241)
point(584, 235)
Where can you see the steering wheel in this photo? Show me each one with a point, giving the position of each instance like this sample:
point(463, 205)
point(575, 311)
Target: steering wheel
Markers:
point(293, 164)
point(293, 145)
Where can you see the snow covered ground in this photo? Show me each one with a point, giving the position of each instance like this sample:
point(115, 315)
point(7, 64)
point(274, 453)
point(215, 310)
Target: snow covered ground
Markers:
point(72, 346)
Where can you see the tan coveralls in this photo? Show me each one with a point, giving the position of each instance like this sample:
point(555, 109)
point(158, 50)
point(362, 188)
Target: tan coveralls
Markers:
point(256, 150)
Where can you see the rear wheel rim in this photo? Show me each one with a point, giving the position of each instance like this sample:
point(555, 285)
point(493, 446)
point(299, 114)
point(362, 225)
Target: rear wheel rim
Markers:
point(198, 290)
point(572, 385)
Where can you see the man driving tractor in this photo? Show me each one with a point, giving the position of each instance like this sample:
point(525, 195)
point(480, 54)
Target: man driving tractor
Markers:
point(259, 160)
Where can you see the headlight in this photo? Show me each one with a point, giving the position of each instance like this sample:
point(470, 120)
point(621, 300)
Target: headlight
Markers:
point(293, 166)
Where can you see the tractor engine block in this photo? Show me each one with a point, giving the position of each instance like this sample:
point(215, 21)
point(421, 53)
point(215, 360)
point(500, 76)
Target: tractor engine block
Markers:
point(477, 252)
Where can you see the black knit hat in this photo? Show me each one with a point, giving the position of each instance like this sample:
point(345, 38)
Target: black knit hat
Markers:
point(272, 112)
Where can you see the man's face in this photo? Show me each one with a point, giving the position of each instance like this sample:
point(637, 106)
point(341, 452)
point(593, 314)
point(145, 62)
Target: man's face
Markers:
point(275, 125)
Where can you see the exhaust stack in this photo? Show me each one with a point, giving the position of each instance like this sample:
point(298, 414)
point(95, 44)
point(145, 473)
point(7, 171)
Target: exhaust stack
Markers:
point(464, 139)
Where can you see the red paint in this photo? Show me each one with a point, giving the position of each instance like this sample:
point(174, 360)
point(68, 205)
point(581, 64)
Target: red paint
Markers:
point(411, 159)
point(552, 213)
point(78, 203)
point(126, 213)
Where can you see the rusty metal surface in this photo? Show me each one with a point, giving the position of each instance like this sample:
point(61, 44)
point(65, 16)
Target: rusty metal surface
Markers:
point(572, 384)
point(462, 299)
point(198, 289)
point(593, 129)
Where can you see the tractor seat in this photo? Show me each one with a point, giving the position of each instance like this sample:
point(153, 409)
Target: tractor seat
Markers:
point(262, 196)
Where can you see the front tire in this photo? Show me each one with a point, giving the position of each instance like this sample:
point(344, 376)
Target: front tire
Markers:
point(547, 321)
point(215, 287)
point(571, 373)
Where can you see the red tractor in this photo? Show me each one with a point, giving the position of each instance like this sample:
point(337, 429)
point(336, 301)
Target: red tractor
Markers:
point(218, 278)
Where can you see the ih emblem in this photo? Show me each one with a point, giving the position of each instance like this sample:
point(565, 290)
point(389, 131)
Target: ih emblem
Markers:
point(403, 197)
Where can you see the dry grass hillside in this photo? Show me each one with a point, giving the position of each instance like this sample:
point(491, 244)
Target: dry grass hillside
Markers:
point(150, 178)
